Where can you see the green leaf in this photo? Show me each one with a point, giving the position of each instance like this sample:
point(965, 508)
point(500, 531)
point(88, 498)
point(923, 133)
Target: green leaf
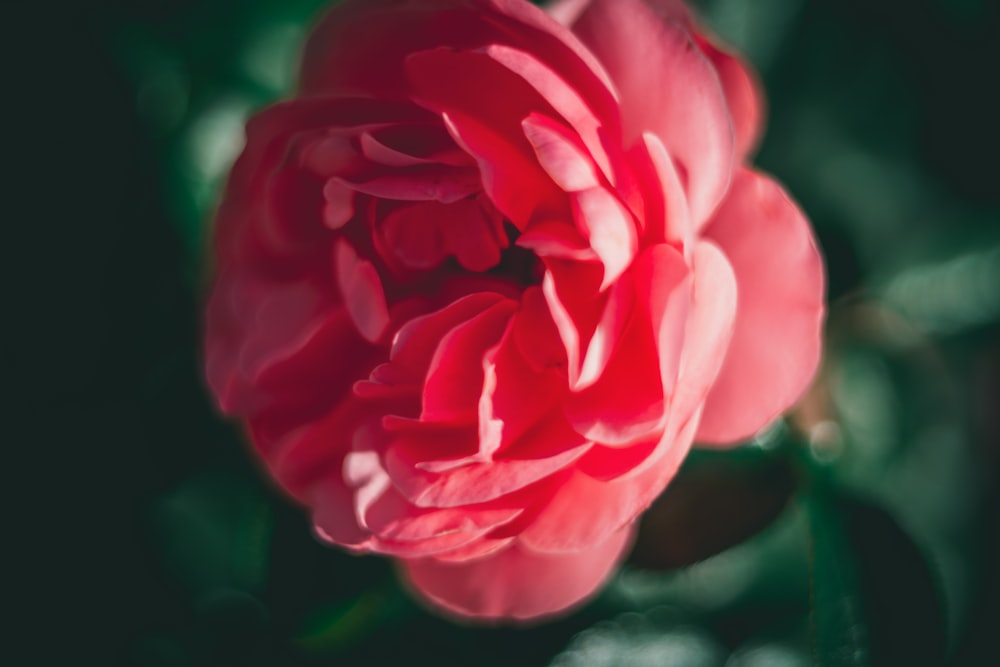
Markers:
point(214, 532)
point(874, 598)
point(345, 623)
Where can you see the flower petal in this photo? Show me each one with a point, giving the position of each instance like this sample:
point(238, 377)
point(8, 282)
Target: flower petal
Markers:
point(559, 154)
point(516, 582)
point(483, 104)
point(628, 402)
point(742, 89)
point(584, 510)
point(708, 331)
point(361, 290)
point(668, 87)
point(776, 341)
point(547, 448)
point(455, 375)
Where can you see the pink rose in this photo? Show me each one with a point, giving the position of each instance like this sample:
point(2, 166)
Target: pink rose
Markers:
point(484, 280)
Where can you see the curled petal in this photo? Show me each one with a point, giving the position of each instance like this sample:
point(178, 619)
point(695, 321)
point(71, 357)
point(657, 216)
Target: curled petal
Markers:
point(592, 119)
point(415, 342)
point(535, 333)
point(559, 155)
point(609, 228)
point(455, 377)
point(483, 105)
point(428, 183)
point(629, 401)
point(549, 447)
point(670, 219)
point(391, 517)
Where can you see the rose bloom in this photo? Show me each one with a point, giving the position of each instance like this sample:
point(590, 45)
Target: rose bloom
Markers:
point(482, 283)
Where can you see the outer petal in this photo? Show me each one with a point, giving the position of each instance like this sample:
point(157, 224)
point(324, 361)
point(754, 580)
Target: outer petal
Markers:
point(358, 48)
point(746, 104)
point(776, 340)
point(668, 87)
point(517, 583)
point(739, 82)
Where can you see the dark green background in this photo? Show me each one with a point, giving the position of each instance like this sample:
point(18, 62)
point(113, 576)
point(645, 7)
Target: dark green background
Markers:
point(141, 533)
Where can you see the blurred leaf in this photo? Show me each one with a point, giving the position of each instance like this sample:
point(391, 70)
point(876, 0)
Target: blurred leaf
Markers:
point(766, 572)
point(214, 532)
point(952, 294)
point(652, 639)
point(345, 623)
point(874, 599)
point(718, 500)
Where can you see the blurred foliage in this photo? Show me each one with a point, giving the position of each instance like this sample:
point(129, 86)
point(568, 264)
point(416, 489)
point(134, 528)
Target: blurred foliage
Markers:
point(883, 123)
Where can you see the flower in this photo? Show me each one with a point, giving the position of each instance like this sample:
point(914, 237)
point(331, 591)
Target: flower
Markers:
point(484, 280)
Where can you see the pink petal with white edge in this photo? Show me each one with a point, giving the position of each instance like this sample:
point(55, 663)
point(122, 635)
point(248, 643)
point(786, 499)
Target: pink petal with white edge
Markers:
point(668, 87)
point(559, 153)
point(675, 226)
point(391, 517)
point(516, 583)
point(609, 228)
point(709, 328)
point(540, 453)
point(776, 340)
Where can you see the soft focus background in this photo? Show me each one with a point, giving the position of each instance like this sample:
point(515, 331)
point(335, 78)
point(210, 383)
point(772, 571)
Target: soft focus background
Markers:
point(863, 530)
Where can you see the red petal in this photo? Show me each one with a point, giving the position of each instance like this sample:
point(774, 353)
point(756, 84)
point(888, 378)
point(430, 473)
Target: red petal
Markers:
point(628, 402)
point(423, 234)
point(455, 375)
point(483, 104)
point(567, 101)
point(415, 342)
point(423, 183)
point(358, 47)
